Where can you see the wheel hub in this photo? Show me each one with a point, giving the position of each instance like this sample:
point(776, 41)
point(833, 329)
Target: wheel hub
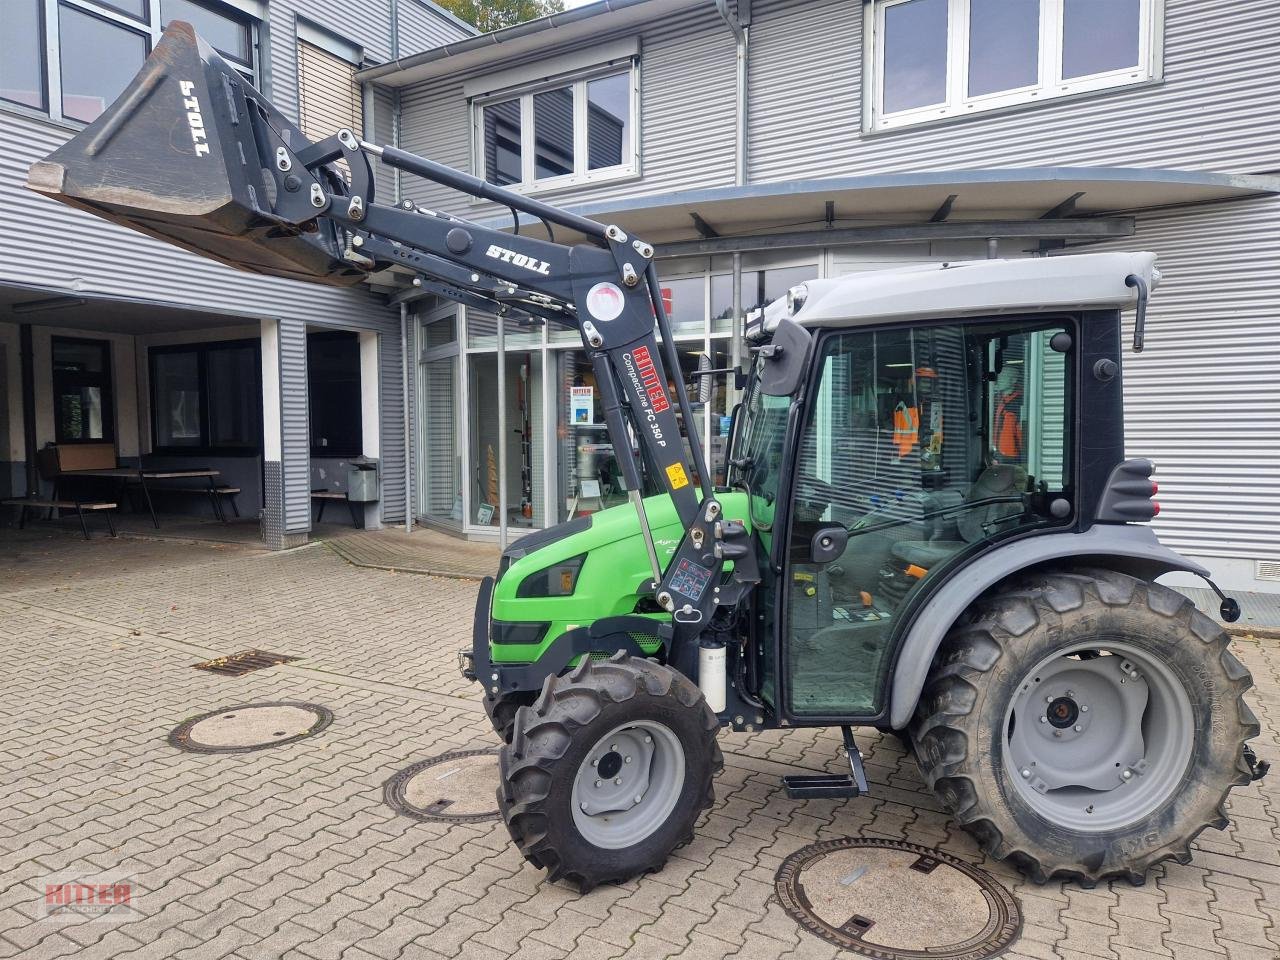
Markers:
point(618, 776)
point(1086, 731)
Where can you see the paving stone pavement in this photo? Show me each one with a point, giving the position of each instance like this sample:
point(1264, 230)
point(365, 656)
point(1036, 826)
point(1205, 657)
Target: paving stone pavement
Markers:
point(290, 852)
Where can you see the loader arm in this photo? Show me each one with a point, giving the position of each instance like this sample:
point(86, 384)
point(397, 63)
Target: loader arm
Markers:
point(238, 182)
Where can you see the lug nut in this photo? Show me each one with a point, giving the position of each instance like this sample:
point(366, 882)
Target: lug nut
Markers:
point(582, 807)
point(1084, 709)
point(1077, 728)
point(618, 782)
point(626, 759)
point(638, 799)
point(1044, 719)
point(1127, 775)
point(1026, 774)
point(1048, 699)
point(648, 739)
point(597, 784)
point(594, 762)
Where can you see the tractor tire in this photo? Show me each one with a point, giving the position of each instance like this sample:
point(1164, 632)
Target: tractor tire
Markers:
point(502, 711)
point(1004, 737)
point(569, 791)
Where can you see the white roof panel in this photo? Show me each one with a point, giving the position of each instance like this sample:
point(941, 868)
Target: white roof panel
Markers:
point(1091, 281)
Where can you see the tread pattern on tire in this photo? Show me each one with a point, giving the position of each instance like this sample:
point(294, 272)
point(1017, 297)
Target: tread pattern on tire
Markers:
point(944, 730)
point(543, 734)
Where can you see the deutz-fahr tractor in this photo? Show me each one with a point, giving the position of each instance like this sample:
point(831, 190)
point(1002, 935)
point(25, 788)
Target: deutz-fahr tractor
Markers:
point(927, 523)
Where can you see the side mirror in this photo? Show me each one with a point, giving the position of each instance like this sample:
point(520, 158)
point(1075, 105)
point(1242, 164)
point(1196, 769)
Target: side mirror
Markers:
point(786, 359)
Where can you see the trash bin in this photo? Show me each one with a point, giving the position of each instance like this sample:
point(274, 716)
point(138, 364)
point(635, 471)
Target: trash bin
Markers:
point(362, 481)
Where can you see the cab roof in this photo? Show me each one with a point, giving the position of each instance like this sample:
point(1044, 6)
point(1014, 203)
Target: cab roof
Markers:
point(1091, 281)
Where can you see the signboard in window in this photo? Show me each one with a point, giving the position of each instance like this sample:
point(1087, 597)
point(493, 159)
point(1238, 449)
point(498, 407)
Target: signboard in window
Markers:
point(582, 405)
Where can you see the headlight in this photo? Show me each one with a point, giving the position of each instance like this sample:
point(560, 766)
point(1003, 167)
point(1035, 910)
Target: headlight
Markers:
point(558, 580)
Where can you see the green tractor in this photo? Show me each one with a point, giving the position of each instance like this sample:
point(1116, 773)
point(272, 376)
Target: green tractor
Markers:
point(950, 544)
point(927, 522)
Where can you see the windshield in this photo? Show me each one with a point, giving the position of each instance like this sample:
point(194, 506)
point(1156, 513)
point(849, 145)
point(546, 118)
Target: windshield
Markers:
point(758, 449)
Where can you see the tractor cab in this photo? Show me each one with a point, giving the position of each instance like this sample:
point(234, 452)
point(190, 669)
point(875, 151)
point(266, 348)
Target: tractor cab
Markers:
point(927, 429)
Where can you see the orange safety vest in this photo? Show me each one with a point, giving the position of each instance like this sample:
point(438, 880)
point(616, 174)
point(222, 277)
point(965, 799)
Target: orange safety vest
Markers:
point(1008, 425)
point(906, 428)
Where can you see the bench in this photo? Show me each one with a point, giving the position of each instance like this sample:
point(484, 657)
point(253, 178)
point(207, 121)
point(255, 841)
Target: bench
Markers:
point(324, 496)
point(79, 506)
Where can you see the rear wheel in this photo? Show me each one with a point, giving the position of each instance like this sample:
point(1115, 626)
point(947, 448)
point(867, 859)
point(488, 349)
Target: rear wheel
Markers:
point(608, 771)
point(1085, 724)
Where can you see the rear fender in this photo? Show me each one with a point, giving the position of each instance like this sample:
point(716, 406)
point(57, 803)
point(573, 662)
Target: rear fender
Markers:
point(1130, 549)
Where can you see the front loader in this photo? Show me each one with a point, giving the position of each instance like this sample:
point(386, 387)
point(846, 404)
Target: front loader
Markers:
point(929, 524)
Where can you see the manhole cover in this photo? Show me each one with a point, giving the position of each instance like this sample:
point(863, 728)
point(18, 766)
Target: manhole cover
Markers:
point(451, 787)
point(895, 900)
point(246, 661)
point(250, 726)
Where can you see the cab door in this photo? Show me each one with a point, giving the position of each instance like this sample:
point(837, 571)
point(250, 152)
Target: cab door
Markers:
point(918, 447)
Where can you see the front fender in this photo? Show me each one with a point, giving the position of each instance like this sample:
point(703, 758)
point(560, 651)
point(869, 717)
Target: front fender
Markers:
point(1129, 548)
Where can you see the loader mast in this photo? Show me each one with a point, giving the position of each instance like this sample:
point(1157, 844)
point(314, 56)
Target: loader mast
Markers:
point(607, 290)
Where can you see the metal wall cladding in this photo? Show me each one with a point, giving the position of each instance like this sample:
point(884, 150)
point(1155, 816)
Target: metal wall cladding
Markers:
point(382, 130)
point(1203, 399)
point(419, 28)
point(1214, 109)
point(391, 424)
point(687, 120)
point(295, 430)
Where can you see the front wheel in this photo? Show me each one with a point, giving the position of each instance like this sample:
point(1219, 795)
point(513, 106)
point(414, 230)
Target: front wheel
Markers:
point(608, 771)
point(1085, 724)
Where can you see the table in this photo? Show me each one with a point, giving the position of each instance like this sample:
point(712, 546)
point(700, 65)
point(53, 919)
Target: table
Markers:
point(127, 474)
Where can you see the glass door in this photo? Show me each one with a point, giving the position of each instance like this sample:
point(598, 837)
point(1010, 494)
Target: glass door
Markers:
point(439, 452)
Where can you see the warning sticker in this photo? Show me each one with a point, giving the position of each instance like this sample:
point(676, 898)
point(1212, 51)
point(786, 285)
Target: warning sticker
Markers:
point(690, 580)
point(677, 476)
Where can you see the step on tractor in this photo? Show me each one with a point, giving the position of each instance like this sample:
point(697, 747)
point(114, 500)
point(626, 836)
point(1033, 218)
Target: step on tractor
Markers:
point(926, 523)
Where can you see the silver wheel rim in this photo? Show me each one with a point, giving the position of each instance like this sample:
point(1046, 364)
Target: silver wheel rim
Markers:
point(1098, 736)
point(628, 784)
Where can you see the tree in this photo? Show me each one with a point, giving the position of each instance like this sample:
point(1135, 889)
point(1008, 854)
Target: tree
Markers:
point(489, 15)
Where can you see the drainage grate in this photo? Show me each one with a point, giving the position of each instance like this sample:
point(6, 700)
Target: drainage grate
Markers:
point(451, 788)
point(894, 900)
point(246, 661)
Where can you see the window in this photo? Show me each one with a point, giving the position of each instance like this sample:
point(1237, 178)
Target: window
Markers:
point(923, 443)
point(22, 67)
point(329, 97)
point(98, 58)
point(205, 398)
point(945, 58)
point(227, 30)
point(73, 58)
point(82, 391)
point(569, 131)
point(333, 389)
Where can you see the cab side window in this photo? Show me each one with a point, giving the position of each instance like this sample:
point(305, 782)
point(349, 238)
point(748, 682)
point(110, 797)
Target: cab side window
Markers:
point(922, 443)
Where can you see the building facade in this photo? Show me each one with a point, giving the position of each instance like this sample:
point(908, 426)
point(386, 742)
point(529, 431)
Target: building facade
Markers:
point(107, 336)
point(762, 144)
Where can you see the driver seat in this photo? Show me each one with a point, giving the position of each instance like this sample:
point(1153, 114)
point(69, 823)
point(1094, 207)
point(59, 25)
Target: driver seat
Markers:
point(972, 523)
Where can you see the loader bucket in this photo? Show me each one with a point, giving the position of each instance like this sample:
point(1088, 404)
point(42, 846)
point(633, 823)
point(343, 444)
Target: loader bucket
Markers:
point(176, 157)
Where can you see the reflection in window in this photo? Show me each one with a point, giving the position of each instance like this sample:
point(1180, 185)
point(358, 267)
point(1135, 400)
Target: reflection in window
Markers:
point(915, 54)
point(230, 36)
point(1099, 36)
point(578, 129)
point(98, 61)
point(22, 66)
point(608, 116)
point(502, 161)
point(553, 133)
point(1004, 45)
point(81, 390)
point(176, 387)
point(684, 303)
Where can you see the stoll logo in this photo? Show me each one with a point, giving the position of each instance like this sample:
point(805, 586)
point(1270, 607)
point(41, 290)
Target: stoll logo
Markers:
point(195, 119)
point(519, 259)
point(96, 897)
